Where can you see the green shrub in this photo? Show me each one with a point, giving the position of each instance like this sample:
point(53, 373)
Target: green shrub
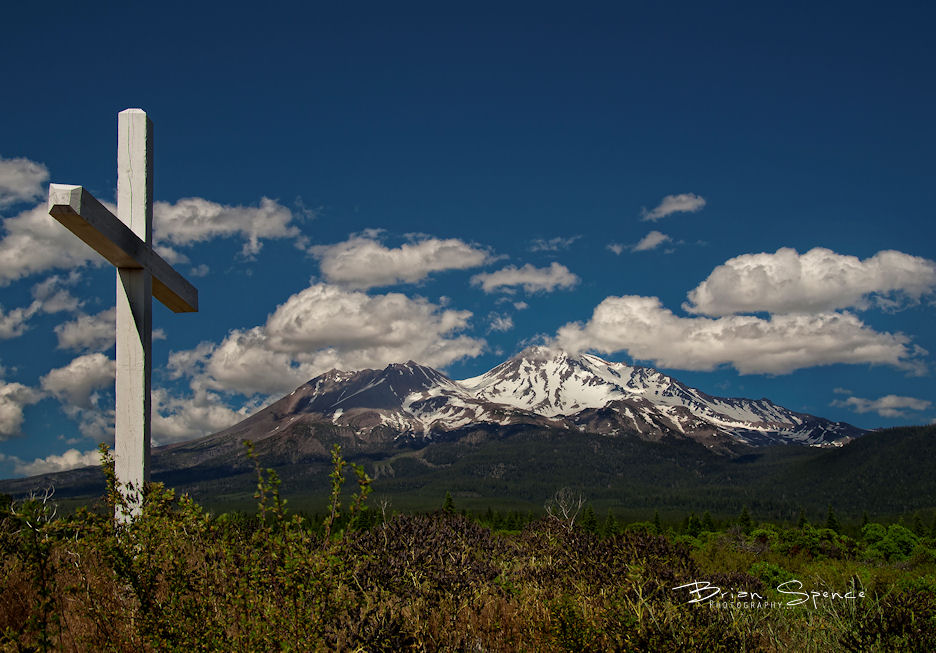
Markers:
point(771, 574)
point(872, 533)
point(898, 543)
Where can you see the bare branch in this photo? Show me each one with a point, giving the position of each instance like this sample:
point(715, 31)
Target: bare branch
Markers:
point(564, 506)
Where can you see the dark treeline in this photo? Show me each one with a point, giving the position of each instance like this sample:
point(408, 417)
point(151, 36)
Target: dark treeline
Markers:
point(886, 474)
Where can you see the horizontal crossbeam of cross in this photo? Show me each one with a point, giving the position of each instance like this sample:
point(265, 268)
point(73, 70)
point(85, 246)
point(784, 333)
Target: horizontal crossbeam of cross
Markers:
point(93, 223)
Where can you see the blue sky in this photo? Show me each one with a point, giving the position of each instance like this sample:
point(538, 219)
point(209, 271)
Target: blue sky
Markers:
point(739, 195)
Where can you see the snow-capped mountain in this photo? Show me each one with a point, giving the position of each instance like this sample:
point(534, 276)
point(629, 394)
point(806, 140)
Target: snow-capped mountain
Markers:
point(540, 387)
point(601, 396)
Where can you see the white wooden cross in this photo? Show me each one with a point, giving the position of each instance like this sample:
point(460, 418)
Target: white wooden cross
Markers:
point(126, 240)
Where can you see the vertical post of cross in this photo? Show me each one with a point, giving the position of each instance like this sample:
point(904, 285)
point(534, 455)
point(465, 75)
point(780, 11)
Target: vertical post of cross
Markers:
point(125, 240)
point(134, 308)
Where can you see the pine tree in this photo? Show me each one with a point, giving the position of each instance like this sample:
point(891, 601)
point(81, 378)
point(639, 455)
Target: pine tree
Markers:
point(832, 522)
point(693, 525)
point(657, 526)
point(609, 527)
point(745, 521)
point(589, 519)
point(802, 522)
point(448, 505)
point(708, 524)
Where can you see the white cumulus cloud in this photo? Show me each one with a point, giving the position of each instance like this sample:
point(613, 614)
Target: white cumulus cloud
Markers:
point(13, 398)
point(88, 332)
point(53, 294)
point(195, 220)
point(71, 459)
point(49, 297)
point(819, 280)
point(552, 244)
point(35, 242)
point(85, 390)
point(532, 279)
point(363, 262)
point(651, 241)
point(21, 180)
point(95, 424)
point(646, 330)
point(682, 203)
point(893, 406)
point(324, 327)
point(76, 382)
point(500, 322)
point(177, 419)
point(14, 323)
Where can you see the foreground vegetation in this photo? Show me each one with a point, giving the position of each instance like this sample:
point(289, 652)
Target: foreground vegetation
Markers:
point(361, 578)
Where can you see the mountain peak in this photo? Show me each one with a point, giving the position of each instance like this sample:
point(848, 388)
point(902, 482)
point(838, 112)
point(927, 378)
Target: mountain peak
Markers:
point(545, 353)
point(550, 353)
point(404, 368)
point(544, 387)
point(540, 353)
point(551, 382)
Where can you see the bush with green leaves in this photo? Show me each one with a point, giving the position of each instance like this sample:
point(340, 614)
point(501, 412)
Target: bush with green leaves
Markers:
point(893, 543)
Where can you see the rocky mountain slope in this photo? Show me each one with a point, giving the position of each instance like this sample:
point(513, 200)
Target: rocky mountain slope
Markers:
point(540, 387)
